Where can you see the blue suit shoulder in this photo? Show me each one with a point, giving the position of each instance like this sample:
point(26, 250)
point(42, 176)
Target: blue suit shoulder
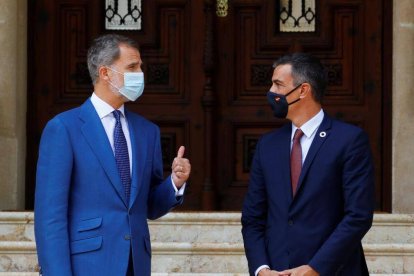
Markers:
point(341, 125)
point(337, 128)
point(276, 134)
point(136, 117)
point(346, 131)
point(64, 118)
point(327, 123)
point(68, 114)
point(71, 116)
point(142, 122)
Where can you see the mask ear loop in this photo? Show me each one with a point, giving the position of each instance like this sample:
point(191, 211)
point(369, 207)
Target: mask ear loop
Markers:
point(117, 88)
point(295, 101)
point(114, 86)
point(291, 91)
point(112, 69)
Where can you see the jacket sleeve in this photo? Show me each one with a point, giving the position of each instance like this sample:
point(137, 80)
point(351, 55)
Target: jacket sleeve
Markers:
point(162, 194)
point(254, 217)
point(53, 179)
point(358, 192)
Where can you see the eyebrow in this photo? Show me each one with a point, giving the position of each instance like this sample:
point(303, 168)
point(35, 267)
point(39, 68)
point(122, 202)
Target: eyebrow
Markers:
point(277, 82)
point(133, 64)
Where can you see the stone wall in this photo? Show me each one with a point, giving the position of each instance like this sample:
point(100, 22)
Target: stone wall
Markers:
point(403, 107)
point(13, 94)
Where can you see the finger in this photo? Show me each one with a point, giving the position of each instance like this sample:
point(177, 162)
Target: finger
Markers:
point(177, 168)
point(176, 162)
point(180, 152)
point(181, 175)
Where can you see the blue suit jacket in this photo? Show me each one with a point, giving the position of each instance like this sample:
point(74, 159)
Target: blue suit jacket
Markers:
point(83, 224)
point(323, 225)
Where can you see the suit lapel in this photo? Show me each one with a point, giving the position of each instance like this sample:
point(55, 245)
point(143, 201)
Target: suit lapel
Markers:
point(95, 135)
point(283, 157)
point(139, 144)
point(321, 135)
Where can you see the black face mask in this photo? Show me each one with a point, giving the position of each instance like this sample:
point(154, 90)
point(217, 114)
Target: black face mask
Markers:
point(279, 103)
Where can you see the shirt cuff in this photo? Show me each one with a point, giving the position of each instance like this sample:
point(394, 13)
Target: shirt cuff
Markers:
point(179, 192)
point(260, 268)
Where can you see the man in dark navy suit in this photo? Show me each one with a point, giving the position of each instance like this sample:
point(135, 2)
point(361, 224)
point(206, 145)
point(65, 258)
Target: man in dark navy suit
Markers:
point(311, 193)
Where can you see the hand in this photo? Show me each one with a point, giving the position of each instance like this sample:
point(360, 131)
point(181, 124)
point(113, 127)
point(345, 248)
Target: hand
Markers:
point(268, 272)
point(304, 270)
point(181, 168)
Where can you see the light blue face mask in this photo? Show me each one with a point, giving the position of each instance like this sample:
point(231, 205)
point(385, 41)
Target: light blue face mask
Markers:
point(133, 84)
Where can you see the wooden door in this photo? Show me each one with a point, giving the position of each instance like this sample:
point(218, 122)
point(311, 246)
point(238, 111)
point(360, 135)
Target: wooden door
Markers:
point(171, 44)
point(350, 38)
point(206, 79)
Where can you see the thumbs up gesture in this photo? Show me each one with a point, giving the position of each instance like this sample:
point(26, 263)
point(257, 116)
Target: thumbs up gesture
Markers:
point(181, 168)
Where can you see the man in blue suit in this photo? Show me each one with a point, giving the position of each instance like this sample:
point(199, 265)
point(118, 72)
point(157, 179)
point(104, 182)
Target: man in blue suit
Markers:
point(100, 175)
point(310, 199)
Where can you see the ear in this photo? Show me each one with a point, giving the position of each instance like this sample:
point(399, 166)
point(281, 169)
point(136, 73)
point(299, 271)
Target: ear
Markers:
point(305, 90)
point(103, 73)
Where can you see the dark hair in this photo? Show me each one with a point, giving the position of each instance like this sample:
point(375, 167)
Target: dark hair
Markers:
point(306, 68)
point(105, 50)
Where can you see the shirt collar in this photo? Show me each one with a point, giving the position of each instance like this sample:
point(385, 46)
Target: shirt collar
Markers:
point(310, 126)
point(103, 108)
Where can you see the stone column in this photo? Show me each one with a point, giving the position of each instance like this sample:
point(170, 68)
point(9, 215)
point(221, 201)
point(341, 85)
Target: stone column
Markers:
point(13, 94)
point(403, 107)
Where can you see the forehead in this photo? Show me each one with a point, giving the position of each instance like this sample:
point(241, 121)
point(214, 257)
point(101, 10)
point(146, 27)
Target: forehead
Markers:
point(128, 54)
point(282, 73)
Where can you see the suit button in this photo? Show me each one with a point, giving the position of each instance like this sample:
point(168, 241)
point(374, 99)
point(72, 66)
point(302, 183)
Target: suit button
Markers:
point(127, 237)
point(129, 212)
point(290, 222)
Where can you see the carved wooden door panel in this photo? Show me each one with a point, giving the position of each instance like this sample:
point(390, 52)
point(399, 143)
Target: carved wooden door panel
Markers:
point(206, 79)
point(171, 43)
point(350, 38)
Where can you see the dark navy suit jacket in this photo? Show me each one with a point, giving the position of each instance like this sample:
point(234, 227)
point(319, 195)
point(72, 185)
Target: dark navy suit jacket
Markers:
point(323, 225)
point(83, 223)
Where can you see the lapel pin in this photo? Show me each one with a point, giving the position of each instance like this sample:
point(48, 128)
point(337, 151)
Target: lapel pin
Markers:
point(322, 134)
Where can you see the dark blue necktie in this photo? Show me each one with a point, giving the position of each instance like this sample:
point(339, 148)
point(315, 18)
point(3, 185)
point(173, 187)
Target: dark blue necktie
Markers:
point(121, 154)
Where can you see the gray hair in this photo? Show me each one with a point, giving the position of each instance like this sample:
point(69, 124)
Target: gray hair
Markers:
point(104, 51)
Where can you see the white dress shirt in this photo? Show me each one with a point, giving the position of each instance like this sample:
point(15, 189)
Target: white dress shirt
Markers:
point(104, 111)
point(309, 130)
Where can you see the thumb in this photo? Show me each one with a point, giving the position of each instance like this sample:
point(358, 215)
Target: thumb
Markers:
point(180, 152)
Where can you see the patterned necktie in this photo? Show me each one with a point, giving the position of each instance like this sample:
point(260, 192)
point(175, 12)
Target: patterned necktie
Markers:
point(296, 160)
point(121, 154)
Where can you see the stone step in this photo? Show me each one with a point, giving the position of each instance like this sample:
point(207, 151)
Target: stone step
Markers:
point(226, 227)
point(209, 257)
point(212, 227)
point(202, 243)
point(179, 274)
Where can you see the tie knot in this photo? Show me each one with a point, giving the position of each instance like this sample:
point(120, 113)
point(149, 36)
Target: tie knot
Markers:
point(298, 134)
point(117, 115)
